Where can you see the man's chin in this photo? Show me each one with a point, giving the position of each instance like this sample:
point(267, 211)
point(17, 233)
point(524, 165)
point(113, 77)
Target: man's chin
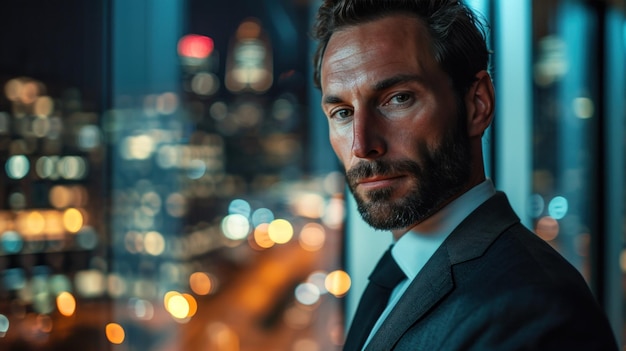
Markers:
point(381, 215)
point(380, 223)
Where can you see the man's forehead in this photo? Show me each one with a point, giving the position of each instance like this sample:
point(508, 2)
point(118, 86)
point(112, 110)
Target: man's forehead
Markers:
point(396, 36)
point(374, 52)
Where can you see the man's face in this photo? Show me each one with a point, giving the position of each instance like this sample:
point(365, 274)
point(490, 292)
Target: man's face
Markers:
point(395, 122)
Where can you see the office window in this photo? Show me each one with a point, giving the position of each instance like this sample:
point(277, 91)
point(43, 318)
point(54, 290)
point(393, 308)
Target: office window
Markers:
point(158, 185)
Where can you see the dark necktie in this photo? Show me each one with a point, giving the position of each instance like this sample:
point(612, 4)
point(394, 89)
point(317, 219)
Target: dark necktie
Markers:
point(384, 278)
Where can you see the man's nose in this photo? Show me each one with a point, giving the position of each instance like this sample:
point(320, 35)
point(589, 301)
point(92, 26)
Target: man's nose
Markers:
point(368, 140)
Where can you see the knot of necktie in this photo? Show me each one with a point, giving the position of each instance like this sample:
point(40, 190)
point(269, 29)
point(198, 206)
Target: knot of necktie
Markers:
point(387, 273)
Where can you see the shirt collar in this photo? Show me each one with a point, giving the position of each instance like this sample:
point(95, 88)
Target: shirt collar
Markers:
point(415, 248)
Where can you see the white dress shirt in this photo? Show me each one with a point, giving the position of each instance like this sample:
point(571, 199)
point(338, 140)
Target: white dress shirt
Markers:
point(417, 246)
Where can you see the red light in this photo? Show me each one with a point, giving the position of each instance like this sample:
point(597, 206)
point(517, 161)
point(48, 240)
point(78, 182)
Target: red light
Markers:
point(195, 46)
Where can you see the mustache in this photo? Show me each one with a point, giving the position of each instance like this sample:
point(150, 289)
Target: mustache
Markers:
point(367, 169)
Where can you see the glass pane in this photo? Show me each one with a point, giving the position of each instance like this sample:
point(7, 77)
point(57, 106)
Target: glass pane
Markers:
point(565, 127)
point(158, 190)
point(53, 237)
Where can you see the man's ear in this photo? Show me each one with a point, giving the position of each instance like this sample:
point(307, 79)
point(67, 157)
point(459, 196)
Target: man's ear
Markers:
point(480, 103)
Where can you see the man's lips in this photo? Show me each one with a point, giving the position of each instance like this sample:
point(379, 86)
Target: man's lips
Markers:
point(377, 182)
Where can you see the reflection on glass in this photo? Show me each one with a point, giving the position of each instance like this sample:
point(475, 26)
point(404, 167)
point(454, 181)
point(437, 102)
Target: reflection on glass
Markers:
point(564, 116)
point(185, 217)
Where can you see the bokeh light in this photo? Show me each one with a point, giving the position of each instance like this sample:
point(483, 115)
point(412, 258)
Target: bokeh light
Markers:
point(116, 285)
point(17, 201)
point(61, 196)
point(196, 169)
point(40, 126)
point(17, 166)
point(73, 220)
point(280, 231)
point(222, 338)
point(235, 226)
point(262, 215)
point(4, 325)
point(12, 89)
point(547, 228)
point(312, 237)
point(177, 305)
point(90, 283)
point(154, 243)
point(30, 223)
point(45, 166)
point(89, 137)
point(167, 103)
point(14, 278)
point(87, 238)
point(583, 107)
point(72, 167)
point(261, 236)
point(142, 309)
point(115, 333)
point(307, 293)
point(66, 304)
point(309, 205)
point(239, 206)
point(54, 228)
point(338, 283)
point(192, 303)
point(195, 46)
point(557, 208)
point(44, 105)
point(138, 147)
point(176, 205)
point(200, 283)
point(205, 84)
point(11, 242)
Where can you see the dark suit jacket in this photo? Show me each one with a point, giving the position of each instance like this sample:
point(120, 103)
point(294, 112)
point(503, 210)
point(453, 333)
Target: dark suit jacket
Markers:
point(494, 285)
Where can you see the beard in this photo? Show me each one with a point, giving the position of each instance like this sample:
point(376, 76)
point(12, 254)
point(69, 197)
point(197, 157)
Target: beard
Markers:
point(439, 174)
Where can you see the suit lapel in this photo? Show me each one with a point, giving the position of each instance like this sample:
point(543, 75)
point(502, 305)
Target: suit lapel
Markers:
point(431, 285)
point(468, 241)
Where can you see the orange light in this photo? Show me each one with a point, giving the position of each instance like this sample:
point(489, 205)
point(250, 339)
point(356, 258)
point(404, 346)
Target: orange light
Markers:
point(261, 236)
point(193, 305)
point(66, 303)
point(168, 296)
point(312, 237)
point(547, 228)
point(338, 283)
point(280, 231)
point(195, 46)
point(73, 220)
point(178, 306)
point(200, 283)
point(36, 222)
point(115, 333)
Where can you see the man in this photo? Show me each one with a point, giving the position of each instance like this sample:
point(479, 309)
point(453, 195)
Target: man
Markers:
point(407, 96)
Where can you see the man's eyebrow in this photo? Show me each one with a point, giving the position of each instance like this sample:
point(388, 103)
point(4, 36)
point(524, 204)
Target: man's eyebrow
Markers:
point(395, 80)
point(380, 86)
point(331, 99)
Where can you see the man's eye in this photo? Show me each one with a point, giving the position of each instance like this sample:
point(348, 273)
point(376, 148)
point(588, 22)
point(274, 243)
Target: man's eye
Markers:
point(400, 99)
point(342, 114)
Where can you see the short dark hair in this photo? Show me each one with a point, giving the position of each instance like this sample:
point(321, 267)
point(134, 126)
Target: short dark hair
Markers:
point(457, 35)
